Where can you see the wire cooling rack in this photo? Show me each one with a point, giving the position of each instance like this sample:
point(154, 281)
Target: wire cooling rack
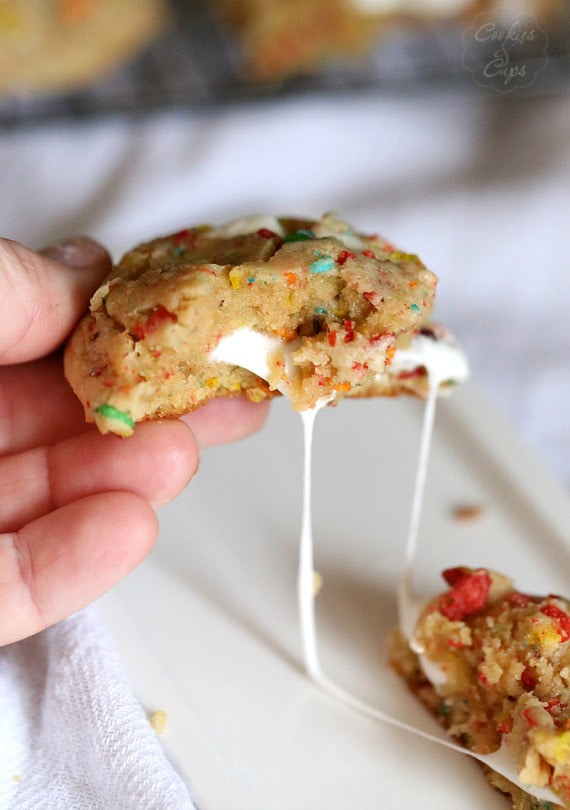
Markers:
point(197, 62)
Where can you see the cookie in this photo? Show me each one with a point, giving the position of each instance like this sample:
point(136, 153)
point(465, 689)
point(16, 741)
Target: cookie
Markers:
point(493, 665)
point(337, 304)
point(299, 37)
point(57, 45)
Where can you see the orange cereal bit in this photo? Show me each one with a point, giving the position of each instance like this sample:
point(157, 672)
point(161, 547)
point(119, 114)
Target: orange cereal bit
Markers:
point(286, 334)
point(332, 338)
point(390, 352)
point(342, 386)
point(291, 277)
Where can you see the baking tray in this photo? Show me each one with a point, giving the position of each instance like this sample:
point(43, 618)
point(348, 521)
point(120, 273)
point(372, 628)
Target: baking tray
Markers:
point(207, 625)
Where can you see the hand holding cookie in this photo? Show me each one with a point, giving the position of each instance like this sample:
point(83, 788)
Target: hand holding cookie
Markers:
point(76, 508)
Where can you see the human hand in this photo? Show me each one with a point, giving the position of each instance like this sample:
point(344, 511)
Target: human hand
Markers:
point(76, 508)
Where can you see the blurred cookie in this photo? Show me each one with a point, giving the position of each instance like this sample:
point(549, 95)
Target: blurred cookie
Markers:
point(284, 38)
point(58, 45)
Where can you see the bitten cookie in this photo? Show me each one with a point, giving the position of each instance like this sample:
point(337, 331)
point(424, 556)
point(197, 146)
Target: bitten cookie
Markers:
point(493, 665)
point(340, 304)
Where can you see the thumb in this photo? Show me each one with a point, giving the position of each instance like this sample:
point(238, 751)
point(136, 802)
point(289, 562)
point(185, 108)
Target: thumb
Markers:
point(42, 295)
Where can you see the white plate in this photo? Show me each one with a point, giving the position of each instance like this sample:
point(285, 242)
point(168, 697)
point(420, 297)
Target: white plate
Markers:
point(208, 624)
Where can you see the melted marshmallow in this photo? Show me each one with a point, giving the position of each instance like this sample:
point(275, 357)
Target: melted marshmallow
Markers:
point(251, 350)
point(443, 361)
point(246, 225)
point(438, 352)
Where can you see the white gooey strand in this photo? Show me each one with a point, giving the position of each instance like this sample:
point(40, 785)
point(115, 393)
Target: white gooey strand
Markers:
point(409, 608)
point(251, 350)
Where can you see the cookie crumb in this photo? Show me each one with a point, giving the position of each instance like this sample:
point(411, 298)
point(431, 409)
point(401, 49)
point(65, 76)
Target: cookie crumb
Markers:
point(158, 720)
point(467, 511)
point(317, 583)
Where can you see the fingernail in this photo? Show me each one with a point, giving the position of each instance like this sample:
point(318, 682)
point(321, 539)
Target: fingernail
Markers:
point(79, 252)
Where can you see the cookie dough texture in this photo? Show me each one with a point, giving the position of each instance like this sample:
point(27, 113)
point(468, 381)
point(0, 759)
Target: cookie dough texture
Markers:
point(505, 661)
point(58, 45)
point(343, 300)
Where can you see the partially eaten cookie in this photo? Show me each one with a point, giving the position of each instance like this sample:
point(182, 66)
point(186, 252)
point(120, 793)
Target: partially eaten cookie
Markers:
point(340, 305)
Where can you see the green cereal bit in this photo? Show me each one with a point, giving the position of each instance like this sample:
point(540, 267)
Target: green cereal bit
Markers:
point(111, 412)
point(415, 308)
point(300, 236)
point(444, 709)
point(321, 311)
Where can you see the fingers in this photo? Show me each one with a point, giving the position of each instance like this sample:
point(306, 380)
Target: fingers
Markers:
point(65, 560)
point(156, 463)
point(227, 420)
point(43, 296)
point(38, 407)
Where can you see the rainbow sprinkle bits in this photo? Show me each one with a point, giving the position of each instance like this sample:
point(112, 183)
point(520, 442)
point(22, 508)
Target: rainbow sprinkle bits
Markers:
point(110, 412)
point(300, 236)
point(322, 264)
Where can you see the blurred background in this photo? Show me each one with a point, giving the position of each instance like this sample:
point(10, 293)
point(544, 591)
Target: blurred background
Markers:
point(442, 124)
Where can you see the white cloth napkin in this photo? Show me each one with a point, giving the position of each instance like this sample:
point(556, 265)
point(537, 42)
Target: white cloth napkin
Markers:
point(72, 734)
